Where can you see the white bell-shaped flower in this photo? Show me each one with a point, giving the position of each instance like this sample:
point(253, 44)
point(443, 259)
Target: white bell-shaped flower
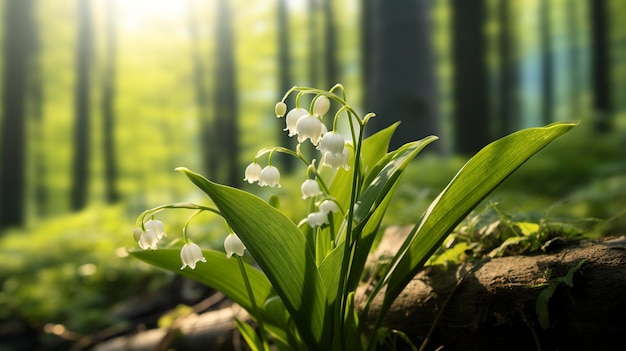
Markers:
point(148, 240)
point(280, 109)
point(335, 162)
point(253, 173)
point(328, 206)
point(269, 176)
point(233, 245)
point(292, 118)
point(332, 142)
point(309, 127)
point(310, 188)
point(190, 255)
point(321, 105)
point(316, 219)
point(157, 227)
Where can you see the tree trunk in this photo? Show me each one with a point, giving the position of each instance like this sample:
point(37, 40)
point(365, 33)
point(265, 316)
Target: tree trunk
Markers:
point(36, 101)
point(601, 65)
point(226, 100)
point(471, 104)
point(80, 172)
point(547, 70)
point(17, 46)
point(284, 82)
point(207, 133)
point(507, 120)
point(108, 109)
point(330, 45)
point(402, 84)
point(313, 50)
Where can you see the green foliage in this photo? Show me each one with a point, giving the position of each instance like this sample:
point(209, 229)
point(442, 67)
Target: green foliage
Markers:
point(541, 307)
point(71, 272)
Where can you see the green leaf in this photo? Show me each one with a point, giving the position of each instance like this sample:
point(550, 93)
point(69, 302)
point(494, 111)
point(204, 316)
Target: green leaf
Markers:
point(375, 199)
point(375, 147)
point(280, 249)
point(218, 272)
point(476, 179)
point(250, 336)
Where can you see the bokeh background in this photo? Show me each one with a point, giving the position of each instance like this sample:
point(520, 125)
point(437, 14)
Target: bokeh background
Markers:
point(102, 99)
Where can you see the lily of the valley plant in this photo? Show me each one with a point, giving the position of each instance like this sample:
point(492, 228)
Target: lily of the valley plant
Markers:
point(301, 292)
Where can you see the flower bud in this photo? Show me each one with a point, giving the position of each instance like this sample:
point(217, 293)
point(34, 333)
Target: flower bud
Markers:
point(309, 127)
point(328, 206)
point(335, 162)
point(157, 227)
point(148, 240)
point(280, 109)
point(253, 173)
point(310, 188)
point(332, 142)
point(270, 176)
point(292, 118)
point(190, 255)
point(233, 245)
point(316, 219)
point(321, 105)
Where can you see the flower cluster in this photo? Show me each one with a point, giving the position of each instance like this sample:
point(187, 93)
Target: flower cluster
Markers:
point(147, 235)
point(307, 124)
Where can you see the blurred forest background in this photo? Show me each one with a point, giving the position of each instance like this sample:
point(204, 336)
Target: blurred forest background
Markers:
point(102, 99)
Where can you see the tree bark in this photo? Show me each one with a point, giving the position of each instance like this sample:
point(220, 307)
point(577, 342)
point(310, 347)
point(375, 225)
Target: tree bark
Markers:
point(471, 100)
point(16, 49)
point(108, 107)
point(401, 76)
point(602, 88)
point(226, 119)
point(547, 70)
point(491, 305)
point(80, 171)
point(207, 134)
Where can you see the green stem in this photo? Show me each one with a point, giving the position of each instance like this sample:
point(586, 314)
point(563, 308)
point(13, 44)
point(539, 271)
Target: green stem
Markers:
point(347, 253)
point(255, 311)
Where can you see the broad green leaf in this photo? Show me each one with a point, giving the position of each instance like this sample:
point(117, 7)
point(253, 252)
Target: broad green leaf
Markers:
point(218, 272)
point(280, 249)
point(375, 147)
point(476, 179)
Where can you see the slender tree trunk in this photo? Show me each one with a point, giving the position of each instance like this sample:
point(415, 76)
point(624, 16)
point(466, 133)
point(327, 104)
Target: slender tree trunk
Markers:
point(284, 80)
point(80, 172)
point(574, 60)
point(366, 45)
point(207, 133)
point(601, 64)
point(471, 118)
point(226, 99)
point(108, 109)
point(402, 84)
point(330, 42)
point(314, 78)
point(36, 102)
point(508, 111)
point(17, 28)
point(547, 71)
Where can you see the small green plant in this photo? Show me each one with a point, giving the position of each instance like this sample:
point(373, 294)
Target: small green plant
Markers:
point(302, 295)
point(550, 286)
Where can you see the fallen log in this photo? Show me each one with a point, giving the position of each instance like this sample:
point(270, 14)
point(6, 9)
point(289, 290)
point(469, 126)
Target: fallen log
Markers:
point(492, 305)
